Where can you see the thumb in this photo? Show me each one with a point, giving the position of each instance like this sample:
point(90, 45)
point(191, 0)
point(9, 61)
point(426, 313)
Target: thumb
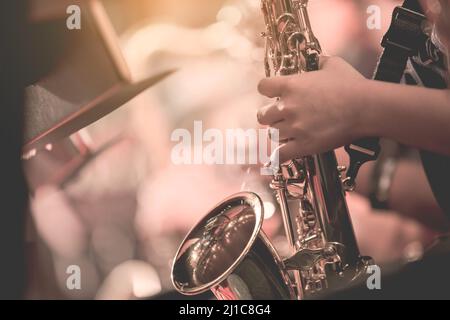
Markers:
point(272, 87)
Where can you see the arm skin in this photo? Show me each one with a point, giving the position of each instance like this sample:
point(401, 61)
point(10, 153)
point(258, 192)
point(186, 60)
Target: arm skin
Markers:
point(414, 116)
point(410, 194)
point(323, 110)
point(326, 109)
point(306, 115)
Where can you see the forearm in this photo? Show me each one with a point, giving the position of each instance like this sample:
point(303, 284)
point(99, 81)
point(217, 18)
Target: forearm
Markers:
point(414, 116)
point(410, 193)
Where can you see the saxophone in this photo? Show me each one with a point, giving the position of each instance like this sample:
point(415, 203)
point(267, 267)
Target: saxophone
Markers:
point(228, 253)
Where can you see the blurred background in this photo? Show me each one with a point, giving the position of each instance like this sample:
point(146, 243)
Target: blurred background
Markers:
point(108, 198)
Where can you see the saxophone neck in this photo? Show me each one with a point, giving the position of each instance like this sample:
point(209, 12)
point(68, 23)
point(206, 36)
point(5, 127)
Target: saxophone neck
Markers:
point(312, 44)
point(291, 46)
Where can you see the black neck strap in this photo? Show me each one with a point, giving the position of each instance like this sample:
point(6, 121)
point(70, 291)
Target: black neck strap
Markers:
point(402, 41)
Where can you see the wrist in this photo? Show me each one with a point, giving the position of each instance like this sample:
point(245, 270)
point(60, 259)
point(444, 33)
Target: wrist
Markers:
point(367, 110)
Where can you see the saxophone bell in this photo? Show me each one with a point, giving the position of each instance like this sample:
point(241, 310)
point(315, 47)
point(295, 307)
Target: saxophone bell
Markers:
point(229, 254)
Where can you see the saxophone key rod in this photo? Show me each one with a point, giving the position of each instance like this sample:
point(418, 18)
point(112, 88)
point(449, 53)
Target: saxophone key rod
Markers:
point(279, 184)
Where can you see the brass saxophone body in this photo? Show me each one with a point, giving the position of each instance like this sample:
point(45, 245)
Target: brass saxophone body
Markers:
point(228, 253)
